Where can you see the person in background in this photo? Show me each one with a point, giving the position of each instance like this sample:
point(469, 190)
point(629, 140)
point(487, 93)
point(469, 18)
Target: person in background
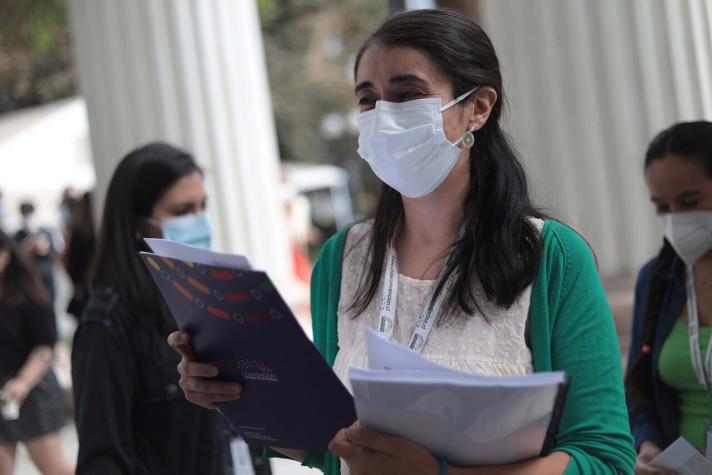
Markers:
point(70, 197)
point(40, 244)
point(2, 212)
point(455, 231)
point(299, 226)
point(33, 410)
point(131, 416)
point(80, 239)
point(669, 386)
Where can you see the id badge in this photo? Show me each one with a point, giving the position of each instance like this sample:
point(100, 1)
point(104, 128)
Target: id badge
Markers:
point(241, 458)
point(708, 443)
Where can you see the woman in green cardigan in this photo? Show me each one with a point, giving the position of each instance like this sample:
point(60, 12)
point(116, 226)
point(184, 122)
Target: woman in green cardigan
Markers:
point(457, 264)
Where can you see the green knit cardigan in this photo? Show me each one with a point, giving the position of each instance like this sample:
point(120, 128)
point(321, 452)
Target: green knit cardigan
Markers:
point(572, 330)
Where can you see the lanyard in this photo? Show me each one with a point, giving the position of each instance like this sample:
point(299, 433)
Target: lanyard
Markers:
point(428, 316)
point(703, 371)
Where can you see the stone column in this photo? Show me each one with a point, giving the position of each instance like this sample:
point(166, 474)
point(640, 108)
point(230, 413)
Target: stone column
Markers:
point(192, 73)
point(589, 84)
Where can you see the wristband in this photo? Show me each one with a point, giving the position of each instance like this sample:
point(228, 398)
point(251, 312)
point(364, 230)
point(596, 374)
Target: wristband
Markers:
point(443, 465)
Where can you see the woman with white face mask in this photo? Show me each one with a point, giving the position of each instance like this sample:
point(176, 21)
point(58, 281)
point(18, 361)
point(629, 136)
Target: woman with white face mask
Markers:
point(129, 407)
point(457, 264)
point(669, 380)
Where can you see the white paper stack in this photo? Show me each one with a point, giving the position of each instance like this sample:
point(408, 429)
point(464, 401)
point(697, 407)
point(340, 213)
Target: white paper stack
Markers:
point(683, 458)
point(468, 419)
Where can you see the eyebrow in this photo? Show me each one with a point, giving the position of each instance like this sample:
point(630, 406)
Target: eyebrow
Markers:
point(687, 194)
point(402, 78)
point(684, 194)
point(363, 85)
point(407, 78)
point(182, 205)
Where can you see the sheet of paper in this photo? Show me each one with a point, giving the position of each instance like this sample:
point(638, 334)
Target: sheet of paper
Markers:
point(453, 416)
point(470, 419)
point(384, 355)
point(183, 252)
point(683, 458)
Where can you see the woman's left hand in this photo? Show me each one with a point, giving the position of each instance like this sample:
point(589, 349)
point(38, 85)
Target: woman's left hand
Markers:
point(373, 453)
point(16, 389)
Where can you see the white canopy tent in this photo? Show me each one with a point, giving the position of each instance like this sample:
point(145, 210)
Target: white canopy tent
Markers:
point(44, 150)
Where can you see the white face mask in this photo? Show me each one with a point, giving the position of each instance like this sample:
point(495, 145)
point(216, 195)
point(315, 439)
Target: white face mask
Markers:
point(405, 144)
point(689, 233)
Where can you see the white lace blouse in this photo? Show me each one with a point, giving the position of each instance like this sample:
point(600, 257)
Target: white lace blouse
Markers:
point(469, 343)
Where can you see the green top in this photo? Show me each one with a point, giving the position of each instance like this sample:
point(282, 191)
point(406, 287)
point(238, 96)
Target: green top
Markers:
point(675, 369)
point(571, 330)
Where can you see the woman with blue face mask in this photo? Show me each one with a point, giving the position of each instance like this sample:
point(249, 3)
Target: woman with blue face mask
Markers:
point(131, 416)
point(669, 378)
point(458, 264)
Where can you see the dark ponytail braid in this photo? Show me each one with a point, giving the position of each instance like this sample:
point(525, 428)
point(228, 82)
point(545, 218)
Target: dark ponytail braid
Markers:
point(638, 380)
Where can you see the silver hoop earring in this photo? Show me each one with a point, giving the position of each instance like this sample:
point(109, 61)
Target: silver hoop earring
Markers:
point(468, 140)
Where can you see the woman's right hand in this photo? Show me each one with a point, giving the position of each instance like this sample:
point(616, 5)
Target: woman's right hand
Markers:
point(195, 378)
point(648, 451)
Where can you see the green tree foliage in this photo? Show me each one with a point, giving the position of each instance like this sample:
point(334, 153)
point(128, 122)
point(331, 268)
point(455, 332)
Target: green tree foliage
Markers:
point(35, 53)
point(309, 48)
point(309, 45)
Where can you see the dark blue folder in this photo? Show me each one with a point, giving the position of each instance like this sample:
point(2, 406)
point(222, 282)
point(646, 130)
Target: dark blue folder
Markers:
point(238, 321)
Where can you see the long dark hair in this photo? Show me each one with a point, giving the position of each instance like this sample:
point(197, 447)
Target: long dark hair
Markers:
point(500, 248)
point(691, 141)
point(20, 283)
point(138, 183)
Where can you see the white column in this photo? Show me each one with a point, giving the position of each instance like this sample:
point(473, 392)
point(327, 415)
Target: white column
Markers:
point(589, 84)
point(192, 73)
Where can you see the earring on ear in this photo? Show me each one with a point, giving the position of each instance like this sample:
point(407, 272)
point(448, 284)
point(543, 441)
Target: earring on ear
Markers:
point(468, 140)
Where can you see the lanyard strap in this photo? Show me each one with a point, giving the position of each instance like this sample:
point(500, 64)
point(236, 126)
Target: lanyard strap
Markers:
point(428, 316)
point(703, 371)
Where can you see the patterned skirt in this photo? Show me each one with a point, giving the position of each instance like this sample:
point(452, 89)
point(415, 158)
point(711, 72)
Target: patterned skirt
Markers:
point(42, 413)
